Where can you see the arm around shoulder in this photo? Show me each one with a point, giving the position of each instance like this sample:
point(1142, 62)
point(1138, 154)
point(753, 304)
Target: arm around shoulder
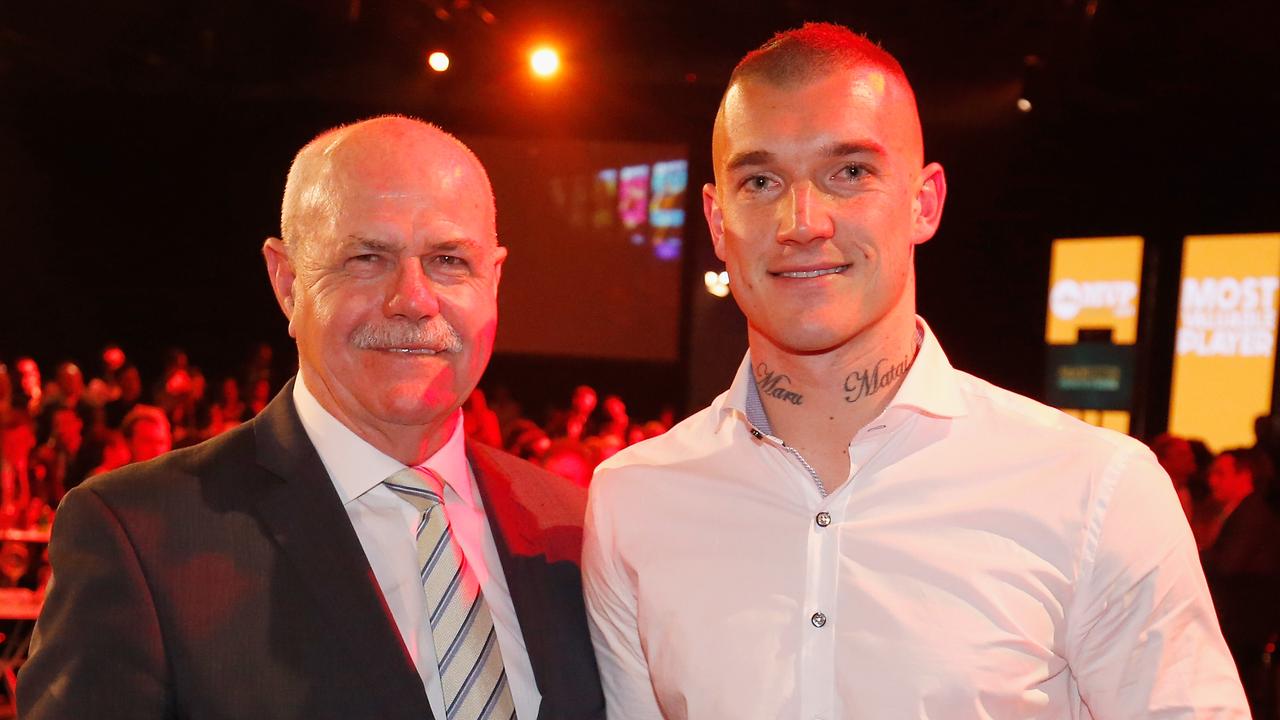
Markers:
point(97, 649)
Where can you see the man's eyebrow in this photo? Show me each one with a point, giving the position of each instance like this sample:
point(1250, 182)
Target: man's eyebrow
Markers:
point(749, 159)
point(456, 244)
point(370, 244)
point(841, 149)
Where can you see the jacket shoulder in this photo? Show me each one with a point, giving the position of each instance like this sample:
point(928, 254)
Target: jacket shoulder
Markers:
point(553, 499)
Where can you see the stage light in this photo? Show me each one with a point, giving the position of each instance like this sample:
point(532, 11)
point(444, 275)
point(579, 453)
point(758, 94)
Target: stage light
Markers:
point(717, 283)
point(438, 61)
point(1024, 105)
point(545, 62)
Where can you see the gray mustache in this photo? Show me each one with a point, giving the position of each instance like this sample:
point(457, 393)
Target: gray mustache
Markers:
point(436, 334)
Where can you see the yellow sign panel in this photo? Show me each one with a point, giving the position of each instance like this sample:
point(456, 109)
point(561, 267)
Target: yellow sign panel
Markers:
point(1225, 356)
point(1093, 283)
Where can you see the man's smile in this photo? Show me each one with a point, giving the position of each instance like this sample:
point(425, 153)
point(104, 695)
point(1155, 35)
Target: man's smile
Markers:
point(819, 272)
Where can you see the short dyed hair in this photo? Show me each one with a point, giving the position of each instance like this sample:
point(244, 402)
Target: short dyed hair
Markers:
point(812, 50)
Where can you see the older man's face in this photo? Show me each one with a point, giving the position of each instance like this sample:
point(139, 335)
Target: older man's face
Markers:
point(395, 297)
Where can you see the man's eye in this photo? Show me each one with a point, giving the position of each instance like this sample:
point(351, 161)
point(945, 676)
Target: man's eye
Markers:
point(852, 172)
point(364, 262)
point(757, 183)
point(452, 262)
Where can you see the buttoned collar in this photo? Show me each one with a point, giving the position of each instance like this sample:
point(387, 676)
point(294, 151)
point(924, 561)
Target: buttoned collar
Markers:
point(356, 467)
point(930, 387)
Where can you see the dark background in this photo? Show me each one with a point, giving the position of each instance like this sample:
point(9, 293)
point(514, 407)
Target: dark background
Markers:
point(144, 145)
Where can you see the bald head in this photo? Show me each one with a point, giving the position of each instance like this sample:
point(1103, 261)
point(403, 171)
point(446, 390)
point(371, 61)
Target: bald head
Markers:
point(814, 53)
point(380, 153)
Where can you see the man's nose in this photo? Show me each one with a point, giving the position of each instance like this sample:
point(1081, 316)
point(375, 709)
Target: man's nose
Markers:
point(413, 296)
point(804, 215)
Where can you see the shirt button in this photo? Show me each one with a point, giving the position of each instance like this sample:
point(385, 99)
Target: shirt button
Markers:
point(818, 619)
point(823, 519)
point(756, 434)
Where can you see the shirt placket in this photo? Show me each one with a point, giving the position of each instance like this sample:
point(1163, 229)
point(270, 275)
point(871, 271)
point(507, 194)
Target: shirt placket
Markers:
point(818, 615)
point(817, 647)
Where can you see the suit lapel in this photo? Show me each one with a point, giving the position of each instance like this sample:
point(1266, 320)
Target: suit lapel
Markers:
point(515, 536)
point(305, 516)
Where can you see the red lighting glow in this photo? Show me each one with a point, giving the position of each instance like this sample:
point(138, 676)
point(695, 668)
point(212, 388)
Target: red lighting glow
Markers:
point(545, 62)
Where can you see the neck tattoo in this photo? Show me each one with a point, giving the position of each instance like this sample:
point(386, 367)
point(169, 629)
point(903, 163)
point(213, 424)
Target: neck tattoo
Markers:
point(868, 381)
point(776, 385)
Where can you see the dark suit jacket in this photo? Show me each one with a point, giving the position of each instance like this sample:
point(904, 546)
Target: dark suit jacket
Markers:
point(226, 581)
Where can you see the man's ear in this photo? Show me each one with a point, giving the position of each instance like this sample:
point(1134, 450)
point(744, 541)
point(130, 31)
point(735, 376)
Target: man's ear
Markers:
point(280, 272)
point(499, 257)
point(715, 218)
point(928, 202)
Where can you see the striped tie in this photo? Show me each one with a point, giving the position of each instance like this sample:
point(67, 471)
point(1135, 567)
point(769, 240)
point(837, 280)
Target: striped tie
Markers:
point(471, 672)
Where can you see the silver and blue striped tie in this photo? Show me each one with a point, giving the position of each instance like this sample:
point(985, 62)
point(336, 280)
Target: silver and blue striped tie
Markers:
point(471, 671)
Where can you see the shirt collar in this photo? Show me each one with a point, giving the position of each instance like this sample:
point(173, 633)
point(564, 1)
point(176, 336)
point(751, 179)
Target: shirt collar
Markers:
point(930, 387)
point(356, 467)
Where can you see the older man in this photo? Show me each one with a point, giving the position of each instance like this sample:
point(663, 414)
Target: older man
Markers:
point(855, 529)
point(346, 554)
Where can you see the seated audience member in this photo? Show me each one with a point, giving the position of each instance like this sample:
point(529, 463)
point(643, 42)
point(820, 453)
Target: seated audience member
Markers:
point(6, 392)
point(29, 385)
point(66, 458)
point(1242, 565)
point(574, 423)
point(617, 422)
point(146, 430)
point(231, 406)
point(129, 385)
point(68, 390)
point(115, 453)
point(113, 361)
point(258, 369)
point(15, 562)
point(1175, 456)
point(479, 422)
point(602, 447)
point(526, 440)
point(1266, 430)
point(570, 460)
point(259, 396)
point(17, 441)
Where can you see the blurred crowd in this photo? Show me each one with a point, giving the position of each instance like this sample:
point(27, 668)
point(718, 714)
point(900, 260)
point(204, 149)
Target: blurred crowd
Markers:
point(55, 432)
point(571, 441)
point(1232, 502)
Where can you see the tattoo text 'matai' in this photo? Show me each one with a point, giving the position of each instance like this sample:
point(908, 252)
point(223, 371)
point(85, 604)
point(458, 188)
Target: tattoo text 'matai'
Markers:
point(776, 385)
point(869, 381)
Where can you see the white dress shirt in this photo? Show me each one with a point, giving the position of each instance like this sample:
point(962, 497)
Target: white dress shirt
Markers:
point(989, 557)
point(386, 524)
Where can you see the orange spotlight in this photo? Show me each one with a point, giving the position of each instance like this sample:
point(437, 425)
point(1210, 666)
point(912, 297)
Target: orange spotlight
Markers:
point(438, 61)
point(545, 62)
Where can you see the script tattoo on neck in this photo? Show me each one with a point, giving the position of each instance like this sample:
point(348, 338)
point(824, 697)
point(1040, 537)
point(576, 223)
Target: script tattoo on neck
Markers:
point(869, 381)
point(776, 385)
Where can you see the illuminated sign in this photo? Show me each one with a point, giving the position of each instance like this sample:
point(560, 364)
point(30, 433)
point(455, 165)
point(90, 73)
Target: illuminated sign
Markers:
point(1091, 326)
point(1093, 284)
point(1224, 360)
